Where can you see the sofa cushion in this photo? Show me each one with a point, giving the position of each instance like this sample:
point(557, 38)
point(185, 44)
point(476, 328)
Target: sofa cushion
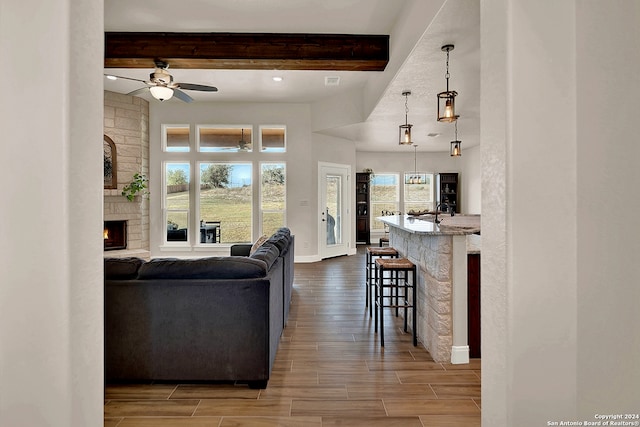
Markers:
point(283, 230)
point(281, 241)
point(258, 243)
point(203, 268)
point(268, 253)
point(122, 268)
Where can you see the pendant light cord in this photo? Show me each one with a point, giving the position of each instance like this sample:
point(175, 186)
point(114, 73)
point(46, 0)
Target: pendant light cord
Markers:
point(446, 76)
point(406, 108)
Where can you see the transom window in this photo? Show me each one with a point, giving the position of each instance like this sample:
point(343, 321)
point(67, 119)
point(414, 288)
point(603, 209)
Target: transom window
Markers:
point(175, 138)
point(225, 139)
point(273, 139)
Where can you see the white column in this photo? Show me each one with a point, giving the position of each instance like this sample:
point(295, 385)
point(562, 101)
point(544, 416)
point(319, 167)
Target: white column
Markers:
point(460, 347)
point(51, 335)
point(529, 210)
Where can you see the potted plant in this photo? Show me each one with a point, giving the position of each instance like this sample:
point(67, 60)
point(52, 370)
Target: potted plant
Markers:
point(138, 185)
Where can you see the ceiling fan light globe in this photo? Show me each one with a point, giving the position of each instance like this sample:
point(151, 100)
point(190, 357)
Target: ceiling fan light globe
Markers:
point(161, 93)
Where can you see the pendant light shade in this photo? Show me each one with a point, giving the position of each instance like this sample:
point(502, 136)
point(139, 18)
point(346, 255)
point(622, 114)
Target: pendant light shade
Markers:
point(456, 146)
point(161, 93)
point(404, 134)
point(447, 99)
point(456, 150)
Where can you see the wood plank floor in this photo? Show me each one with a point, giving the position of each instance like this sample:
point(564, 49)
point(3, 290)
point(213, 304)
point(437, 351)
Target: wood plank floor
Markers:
point(330, 371)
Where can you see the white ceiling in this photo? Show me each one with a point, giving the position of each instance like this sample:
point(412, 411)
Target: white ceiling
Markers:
point(458, 22)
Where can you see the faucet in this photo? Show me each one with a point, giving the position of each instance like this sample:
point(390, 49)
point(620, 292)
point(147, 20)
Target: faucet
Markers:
point(447, 206)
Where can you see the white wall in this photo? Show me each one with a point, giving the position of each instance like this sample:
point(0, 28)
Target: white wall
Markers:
point(559, 282)
point(529, 284)
point(608, 234)
point(471, 180)
point(51, 338)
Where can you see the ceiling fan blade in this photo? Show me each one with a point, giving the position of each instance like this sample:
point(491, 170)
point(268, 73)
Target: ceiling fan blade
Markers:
point(191, 86)
point(181, 95)
point(138, 91)
point(126, 78)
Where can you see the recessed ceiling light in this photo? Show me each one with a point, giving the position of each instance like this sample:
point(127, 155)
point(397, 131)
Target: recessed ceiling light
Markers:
point(277, 78)
point(433, 135)
point(112, 77)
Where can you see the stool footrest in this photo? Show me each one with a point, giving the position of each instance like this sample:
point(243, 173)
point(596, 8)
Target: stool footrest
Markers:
point(402, 275)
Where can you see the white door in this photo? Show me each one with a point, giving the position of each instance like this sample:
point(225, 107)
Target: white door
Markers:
point(335, 215)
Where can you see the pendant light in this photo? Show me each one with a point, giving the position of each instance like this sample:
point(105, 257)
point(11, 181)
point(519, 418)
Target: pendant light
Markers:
point(456, 149)
point(447, 99)
point(404, 137)
point(415, 178)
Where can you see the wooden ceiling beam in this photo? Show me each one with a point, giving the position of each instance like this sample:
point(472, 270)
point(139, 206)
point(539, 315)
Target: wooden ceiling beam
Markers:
point(248, 51)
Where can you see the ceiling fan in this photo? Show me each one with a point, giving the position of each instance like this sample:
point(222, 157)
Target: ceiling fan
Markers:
point(162, 87)
point(241, 146)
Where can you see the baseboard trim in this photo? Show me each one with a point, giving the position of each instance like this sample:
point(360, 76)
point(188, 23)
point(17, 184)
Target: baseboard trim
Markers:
point(308, 258)
point(316, 258)
point(459, 354)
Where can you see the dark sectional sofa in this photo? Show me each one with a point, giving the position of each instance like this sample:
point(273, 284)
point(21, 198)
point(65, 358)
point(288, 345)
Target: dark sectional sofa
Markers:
point(285, 242)
point(206, 319)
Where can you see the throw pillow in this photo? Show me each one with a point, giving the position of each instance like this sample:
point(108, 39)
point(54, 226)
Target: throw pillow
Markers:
point(258, 243)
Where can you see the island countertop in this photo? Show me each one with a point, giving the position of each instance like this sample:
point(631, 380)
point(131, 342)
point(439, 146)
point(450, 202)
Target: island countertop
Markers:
point(458, 225)
point(441, 253)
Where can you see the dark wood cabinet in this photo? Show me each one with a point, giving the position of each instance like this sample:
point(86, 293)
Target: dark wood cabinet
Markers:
point(448, 192)
point(362, 208)
point(473, 305)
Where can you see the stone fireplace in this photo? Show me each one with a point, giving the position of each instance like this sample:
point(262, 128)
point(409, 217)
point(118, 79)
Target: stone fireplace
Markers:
point(115, 235)
point(126, 122)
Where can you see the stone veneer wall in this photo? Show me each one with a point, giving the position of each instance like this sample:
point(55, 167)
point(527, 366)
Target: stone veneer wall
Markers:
point(433, 256)
point(126, 122)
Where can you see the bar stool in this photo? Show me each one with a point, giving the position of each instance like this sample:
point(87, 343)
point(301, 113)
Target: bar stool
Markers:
point(402, 277)
point(373, 252)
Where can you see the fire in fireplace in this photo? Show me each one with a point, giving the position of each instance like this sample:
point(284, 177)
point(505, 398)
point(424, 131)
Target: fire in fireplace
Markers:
point(115, 235)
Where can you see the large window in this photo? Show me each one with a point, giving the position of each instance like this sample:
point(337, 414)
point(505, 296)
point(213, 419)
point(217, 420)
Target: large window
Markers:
point(223, 206)
point(176, 202)
point(385, 196)
point(418, 194)
point(272, 196)
point(225, 202)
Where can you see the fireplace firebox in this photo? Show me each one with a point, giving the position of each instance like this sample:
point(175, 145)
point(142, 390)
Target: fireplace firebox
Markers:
point(115, 235)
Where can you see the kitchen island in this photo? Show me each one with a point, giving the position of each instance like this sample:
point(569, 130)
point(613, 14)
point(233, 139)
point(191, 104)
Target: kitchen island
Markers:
point(439, 252)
